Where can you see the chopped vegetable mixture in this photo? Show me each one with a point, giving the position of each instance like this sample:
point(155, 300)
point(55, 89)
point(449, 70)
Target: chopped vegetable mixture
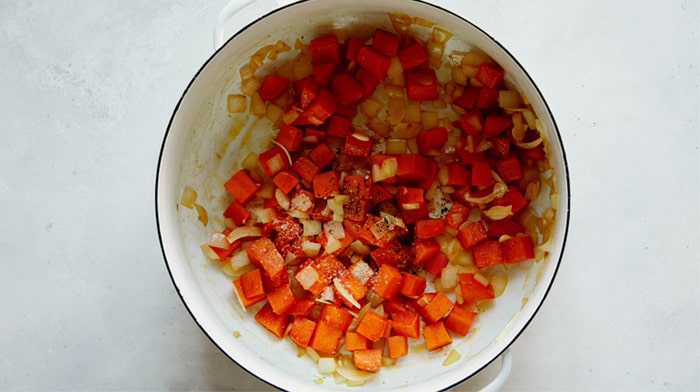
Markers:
point(398, 178)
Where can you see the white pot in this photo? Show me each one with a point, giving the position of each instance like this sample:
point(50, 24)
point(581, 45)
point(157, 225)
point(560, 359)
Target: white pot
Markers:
point(199, 130)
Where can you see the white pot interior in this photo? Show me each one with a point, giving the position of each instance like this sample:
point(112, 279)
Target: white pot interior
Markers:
point(200, 152)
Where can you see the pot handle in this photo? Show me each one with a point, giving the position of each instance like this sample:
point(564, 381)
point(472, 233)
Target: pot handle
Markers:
point(500, 380)
point(245, 11)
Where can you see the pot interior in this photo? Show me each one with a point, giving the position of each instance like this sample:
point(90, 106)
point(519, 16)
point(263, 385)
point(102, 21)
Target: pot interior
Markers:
point(204, 145)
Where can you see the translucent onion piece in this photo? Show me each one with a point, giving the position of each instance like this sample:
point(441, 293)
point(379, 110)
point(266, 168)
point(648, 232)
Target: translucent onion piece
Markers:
point(499, 190)
point(326, 365)
point(312, 354)
point(206, 249)
point(250, 162)
point(509, 99)
point(499, 283)
point(386, 170)
point(532, 144)
point(499, 212)
point(353, 374)
point(334, 229)
point(345, 294)
point(239, 260)
point(218, 240)
point(202, 214)
point(452, 357)
point(336, 205)
point(360, 248)
point(236, 103)
point(189, 197)
point(311, 249)
point(244, 232)
point(311, 227)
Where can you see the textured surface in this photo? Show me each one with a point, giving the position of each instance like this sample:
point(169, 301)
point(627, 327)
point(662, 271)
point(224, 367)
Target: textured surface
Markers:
point(87, 92)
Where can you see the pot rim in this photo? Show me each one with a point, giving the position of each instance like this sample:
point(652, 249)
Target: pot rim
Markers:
point(565, 174)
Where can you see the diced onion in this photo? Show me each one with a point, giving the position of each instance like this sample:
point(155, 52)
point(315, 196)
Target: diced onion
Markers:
point(509, 99)
point(188, 198)
point(499, 212)
point(307, 277)
point(239, 260)
point(371, 107)
point(250, 162)
point(335, 204)
point(407, 129)
point(359, 247)
point(473, 58)
point(396, 146)
point(250, 86)
point(311, 249)
point(332, 245)
point(386, 170)
point(362, 271)
point(334, 229)
point(448, 277)
point(257, 105)
point(302, 202)
point(326, 365)
point(236, 103)
point(202, 214)
point(311, 227)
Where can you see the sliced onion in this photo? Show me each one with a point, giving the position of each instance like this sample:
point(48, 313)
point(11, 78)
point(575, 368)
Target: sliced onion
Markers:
point(312, 354)
point(499, 190)
point(532, 144)
point(282, 199)
point(244, 232)
point(209, 252)
point(499, 283)
point(218, 240)
point(499, 212)
point(345, 294)
point(353, 374)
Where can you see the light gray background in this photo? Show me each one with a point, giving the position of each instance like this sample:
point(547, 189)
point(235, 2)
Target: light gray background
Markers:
point(86, 92)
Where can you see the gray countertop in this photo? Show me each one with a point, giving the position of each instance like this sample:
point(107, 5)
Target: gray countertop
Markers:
point(88, 88)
